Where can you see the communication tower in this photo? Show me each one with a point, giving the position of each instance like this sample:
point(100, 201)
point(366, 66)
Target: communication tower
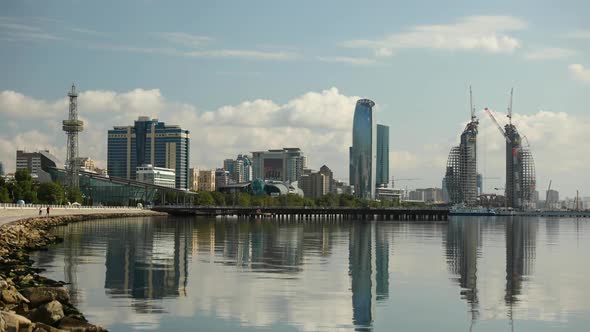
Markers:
point(72, 126)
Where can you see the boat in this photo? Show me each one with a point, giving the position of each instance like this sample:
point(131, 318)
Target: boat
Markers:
point(471, 211)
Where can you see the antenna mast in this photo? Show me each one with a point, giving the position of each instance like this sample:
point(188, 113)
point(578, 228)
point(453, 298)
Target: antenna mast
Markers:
point(471, 108)
point(510, 108)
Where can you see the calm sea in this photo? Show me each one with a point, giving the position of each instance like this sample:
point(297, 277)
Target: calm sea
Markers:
point(198, 274)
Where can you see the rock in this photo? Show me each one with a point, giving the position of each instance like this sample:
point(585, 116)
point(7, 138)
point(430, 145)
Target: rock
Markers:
point(76, 325)
point(48, 313)
point(40, 327)
point(16, 322)
point(41, 295)
point(10, 296)
point(2, 323)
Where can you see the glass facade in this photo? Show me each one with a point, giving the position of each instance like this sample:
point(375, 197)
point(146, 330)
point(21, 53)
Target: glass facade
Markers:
point(364, 150)
point(382, 155)
point(149, 141)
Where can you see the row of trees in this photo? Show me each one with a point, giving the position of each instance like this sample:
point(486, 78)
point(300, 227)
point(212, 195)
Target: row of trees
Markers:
point(24, 188)
point(328, 200)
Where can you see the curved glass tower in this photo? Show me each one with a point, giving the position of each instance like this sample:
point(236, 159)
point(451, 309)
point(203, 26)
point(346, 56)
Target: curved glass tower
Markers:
point(363, 153)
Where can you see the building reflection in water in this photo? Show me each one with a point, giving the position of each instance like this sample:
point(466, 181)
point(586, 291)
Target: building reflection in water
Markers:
point(463, 248)
point(463, 245)
point(369, 271)
point(521, 238)
point(148, 261)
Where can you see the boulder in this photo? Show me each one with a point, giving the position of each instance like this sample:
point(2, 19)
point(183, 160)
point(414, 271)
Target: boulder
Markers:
point(40, 327)
point(10, 296)
point(16, 323)
point(48, 313)
point(77, 325)
point(41, 295)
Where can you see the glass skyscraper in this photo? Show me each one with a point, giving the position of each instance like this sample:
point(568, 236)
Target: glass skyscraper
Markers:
point(152, 142)
point(363, 153)
point(382, 155)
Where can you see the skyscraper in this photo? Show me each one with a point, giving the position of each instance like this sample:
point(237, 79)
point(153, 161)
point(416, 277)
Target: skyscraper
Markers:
point(285, 164)
point(363, 152)
point(149, 142)
point(2, 171)
point(382, 155)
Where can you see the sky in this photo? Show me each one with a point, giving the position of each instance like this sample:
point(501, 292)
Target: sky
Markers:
point(246, 76)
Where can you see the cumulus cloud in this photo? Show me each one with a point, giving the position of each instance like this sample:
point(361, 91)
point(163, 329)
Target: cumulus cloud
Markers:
point(579, 72)
point(484, 33)
point(358, 61)
point(550, 54)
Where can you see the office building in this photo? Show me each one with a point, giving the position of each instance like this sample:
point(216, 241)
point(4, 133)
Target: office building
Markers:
point(552, 199)
point(149, 141)
point(36, 163)
point(247, 164)
point(222, 178)
point(206, 181)
point(284, 165)
point(382, 155)
point(2, 170)
point(314, 185)
point(158, 176)
point(369, 153)
point(193, 179)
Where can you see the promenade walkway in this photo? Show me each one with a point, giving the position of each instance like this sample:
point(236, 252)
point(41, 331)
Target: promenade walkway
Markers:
point(10, 212)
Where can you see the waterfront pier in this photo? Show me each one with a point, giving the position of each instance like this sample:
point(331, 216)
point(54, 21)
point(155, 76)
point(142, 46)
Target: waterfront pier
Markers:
point(311, 213)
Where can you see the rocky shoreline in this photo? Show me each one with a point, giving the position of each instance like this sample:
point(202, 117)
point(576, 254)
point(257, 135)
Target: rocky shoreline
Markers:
point(28, 301)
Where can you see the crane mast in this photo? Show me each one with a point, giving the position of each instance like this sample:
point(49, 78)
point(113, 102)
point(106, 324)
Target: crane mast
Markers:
point(509, 115)
point(471, 108)
point(498, 125)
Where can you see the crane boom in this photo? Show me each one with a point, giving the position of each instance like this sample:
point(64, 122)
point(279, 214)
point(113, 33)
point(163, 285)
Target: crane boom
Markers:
point(498, 125)
point(547, 194)
point(509, 115)
point(471, 108)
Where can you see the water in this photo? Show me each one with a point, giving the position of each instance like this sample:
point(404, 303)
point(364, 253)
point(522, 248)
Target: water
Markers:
point(178, 274)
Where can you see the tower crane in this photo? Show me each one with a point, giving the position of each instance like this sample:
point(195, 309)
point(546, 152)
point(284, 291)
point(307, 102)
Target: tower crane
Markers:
point(547, 194)
point(393, 179)
point(498, 125)
point(472, 109)
point(509, 115)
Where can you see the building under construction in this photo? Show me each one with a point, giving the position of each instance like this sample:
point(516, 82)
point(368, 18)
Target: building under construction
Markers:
point(520, 166)
point(460, 181)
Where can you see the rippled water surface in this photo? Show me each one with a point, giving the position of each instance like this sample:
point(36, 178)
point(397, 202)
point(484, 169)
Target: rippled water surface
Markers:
point(478, 274)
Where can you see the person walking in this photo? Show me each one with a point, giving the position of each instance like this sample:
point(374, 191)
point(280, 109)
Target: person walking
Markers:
point(40, 211)
point(48, 210)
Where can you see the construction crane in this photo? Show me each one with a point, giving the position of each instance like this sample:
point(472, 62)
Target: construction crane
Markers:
point(526, 140)
point(393, 179)
point(547, 194)
point(509, 115)
point(498, 124)
point(472, 109)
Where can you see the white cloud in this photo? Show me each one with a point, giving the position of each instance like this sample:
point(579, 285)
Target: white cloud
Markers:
point(484, 33)
point(184, 38)
point(550, 54)
point(578, 34)
point(580, 72)
point(347, 60)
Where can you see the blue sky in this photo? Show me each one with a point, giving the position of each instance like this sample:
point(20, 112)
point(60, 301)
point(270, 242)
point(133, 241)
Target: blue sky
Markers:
point(196, 62)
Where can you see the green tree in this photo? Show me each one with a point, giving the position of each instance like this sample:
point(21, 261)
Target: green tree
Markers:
point(4, 195)
point(74, 195)
point(219, 198)
point(244, 199)
point(50, 193)
point(22, 175)
point(205, 198)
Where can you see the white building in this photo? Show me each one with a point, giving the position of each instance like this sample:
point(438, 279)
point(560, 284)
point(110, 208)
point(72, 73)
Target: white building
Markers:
point(159, 176)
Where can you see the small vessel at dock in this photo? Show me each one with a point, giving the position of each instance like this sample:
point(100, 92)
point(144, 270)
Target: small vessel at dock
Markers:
point(463, 210)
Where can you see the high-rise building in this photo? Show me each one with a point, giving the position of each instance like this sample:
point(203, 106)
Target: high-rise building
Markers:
point(228, 165)
point(314, 185)
point(193, 179)
point(285, 164)
point(460, 181)
point(152, 142)
point(552, 199)
point(221, 178)
point(158, 176)
point(382, 155)
point(247, 164)
point(363, 153)
point(206, 180)
point(2, 171)
point(329, 178)
point(36, 162)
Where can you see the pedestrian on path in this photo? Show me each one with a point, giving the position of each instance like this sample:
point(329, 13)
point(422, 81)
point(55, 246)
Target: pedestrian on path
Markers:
point(40, 211)
point(48, 210)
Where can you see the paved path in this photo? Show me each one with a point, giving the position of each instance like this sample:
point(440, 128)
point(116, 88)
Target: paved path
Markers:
point(12, 214)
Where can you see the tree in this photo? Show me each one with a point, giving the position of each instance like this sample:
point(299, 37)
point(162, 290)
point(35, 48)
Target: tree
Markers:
point(50, 193)
point(205, 198)
point(74, 195)
point(218, 197)
point(4, 195)
point(22, 175)
point(244, 199)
